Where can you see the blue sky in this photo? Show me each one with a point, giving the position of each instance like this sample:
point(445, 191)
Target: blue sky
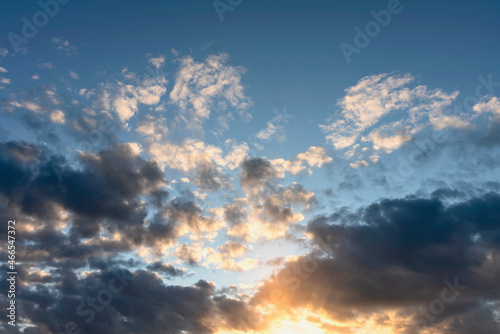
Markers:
point(217, 149)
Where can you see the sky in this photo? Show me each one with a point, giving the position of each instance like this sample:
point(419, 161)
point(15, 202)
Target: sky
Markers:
point(237, 166)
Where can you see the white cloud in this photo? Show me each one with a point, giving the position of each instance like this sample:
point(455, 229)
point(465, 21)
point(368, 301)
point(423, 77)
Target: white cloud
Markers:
point(3, 53)
point(124, 98)
point(57, 117)
point(4, 81)
point(291, 166)
point(223, 257)
point(157, 62)
point(193, 153)
point(272, 130)
point(32, 106)
point(35, 77)
point(269, 212)
point(201, 88)
point(155, 127)
point(2, 70)
point(491, 106)
point(384, 111)
point(315, 156)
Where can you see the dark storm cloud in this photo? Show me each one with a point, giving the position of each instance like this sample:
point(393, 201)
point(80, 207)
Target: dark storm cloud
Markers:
point(398, 253)
point(107, 187)
point(135, 302)
point(103, 195)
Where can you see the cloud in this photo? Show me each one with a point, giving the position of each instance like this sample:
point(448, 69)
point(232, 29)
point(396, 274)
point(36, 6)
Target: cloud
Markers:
point(188, 219)
point(3, 53)
point(64, 47)
point(3, 82)
point(157, 62)
point(57, 117)
point(315, 156)
point(166, 269)
point(125, 97)
point(256, 171)
point(223, 257)
point(139, 302)
point(267, 212)
point(206, 164)
point(201, 88)
point(488, 106)
point(383, 112)
point(74, 75)
point(152, 126)
point(110, 184)
point(391, 259)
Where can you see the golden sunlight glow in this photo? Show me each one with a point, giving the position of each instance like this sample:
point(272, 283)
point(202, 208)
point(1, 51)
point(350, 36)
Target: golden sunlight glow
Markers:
point(309, 321)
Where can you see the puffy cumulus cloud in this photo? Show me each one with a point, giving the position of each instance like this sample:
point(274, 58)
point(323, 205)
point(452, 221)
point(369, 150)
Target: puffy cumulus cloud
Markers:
point(123, 97)
point(267, 212)
point(187, 155)
point(291, 166)
point(489, 105)
point(383, 112)
point(399, 266)
point(153, 127)
point(314, 156)
point(201, 88)
point(223, 257)
point(57, 116)
point(205, 164)
point(190, 253)
point(157, 62)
